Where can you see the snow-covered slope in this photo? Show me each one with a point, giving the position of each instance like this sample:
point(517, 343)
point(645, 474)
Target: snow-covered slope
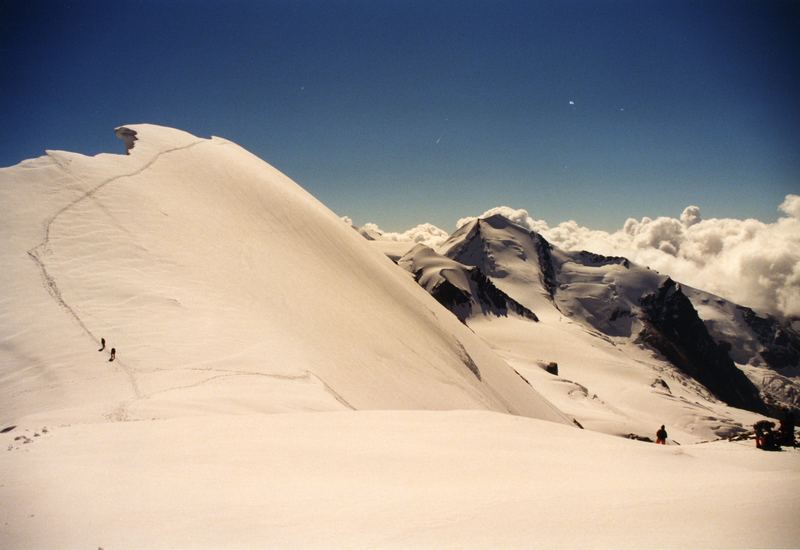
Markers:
point(229, 293)
point(223, 286)
point(388, 479)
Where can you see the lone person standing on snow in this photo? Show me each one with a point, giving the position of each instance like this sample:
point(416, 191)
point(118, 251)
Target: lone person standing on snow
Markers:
point(102, 344)
point(661, 436)
point(113, 353)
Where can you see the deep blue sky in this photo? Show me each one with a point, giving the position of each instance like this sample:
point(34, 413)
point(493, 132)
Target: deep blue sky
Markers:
point(405, 112)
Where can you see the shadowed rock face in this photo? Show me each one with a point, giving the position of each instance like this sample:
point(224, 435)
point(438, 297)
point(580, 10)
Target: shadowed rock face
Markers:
point(483, 295)
point(781, 344)
point(494, 301)
point(673, 327)
point(451, 297)
point(599, 259)
point(472, 250)
point(462, 289)
point(545, 252)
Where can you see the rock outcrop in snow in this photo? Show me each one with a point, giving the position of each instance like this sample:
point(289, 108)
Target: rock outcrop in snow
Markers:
point(779, 342)
point(673, 327)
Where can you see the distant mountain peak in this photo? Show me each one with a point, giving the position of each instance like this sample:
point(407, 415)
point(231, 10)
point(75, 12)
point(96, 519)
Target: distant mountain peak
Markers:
point(462, 289)
point(619, 299)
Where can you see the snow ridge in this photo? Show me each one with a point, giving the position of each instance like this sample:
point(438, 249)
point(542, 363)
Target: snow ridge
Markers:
point(211, 258)
point(39, 252)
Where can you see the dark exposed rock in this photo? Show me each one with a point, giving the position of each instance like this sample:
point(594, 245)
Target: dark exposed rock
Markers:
point(600, 260)
point(673, 327)
point(660, 384)
point(548, 272)
point(485, 295)
point(462, 289)
point(637, 437)
point(469, 363)
point(525, 379)
point(495, 301)
point(453, 298)
point(781, 344)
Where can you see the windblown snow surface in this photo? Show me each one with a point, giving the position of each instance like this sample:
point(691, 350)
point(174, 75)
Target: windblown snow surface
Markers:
point(280, 383)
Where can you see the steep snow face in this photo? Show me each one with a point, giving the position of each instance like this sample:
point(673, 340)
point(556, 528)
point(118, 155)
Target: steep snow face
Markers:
point(462, 289)
point(514, 258)
point(223, 286)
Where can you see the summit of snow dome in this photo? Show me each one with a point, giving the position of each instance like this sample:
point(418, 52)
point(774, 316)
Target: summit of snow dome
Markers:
point(223, 287)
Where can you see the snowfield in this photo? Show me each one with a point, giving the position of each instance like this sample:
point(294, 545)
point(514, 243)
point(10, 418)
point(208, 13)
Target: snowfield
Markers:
point(388, 479)
point(279, 382)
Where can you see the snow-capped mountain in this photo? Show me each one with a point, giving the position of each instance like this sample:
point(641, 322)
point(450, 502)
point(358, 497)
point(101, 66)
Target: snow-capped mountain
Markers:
point(223, 286)
point(622, 307)
point(230, 294)
point(462, 289)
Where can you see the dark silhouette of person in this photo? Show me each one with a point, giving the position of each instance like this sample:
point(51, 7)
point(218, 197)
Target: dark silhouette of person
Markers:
point(661, 436)
point(787, 429)
point(764, 437)
point(102, 344)
point(113, 354)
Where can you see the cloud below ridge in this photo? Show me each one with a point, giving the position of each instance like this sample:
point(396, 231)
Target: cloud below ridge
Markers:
point(424, 233)
point(749, 262)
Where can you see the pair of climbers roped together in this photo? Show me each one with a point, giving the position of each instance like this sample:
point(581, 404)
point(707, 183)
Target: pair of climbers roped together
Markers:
point(113, 350)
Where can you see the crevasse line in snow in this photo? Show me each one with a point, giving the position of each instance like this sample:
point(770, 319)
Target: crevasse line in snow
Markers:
point(222, 373)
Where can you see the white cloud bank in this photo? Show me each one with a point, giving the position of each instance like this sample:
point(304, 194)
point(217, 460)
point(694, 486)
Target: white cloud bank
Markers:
point(424, 233)
point(746, 261)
